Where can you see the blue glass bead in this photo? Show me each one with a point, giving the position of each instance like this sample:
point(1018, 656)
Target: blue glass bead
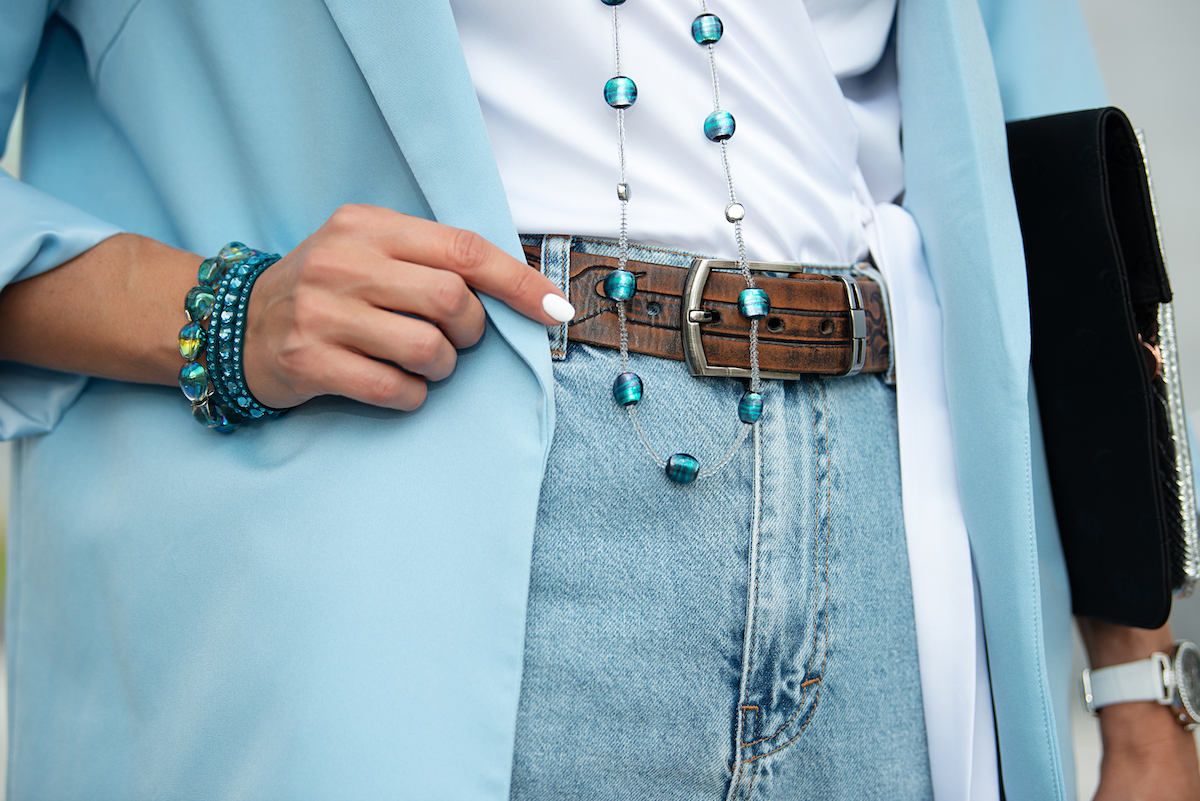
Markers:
point(719, 126)
point(199, 302)
point(209, 414)
point(193, 380)
point(754, 304)
point(707, 28)
point(620, 285)
point(211, 271)
point(235, 252)
point(236, 282)
point(682, 468)
point(205, 413)
point(750, 407)
point(191, 341)
point(620, 92)
point(627, 388)
point(612, 2)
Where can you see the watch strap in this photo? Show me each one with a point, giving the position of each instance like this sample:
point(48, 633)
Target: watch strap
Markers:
point(1145, 680)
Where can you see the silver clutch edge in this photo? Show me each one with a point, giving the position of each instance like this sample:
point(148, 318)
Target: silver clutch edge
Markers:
point(1176, 416)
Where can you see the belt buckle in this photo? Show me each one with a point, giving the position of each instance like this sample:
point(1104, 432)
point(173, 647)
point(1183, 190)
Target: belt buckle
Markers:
point(693, 317)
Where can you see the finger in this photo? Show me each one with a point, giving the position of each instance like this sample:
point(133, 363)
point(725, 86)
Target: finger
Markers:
point(481, 265)
point(416, 345)
point(363, 379)
point(439, 296)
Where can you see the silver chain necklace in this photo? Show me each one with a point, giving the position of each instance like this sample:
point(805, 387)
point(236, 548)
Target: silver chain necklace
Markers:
point(620, 92)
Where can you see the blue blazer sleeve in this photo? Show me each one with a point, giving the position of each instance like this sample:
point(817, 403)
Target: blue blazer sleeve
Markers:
point(37, 233)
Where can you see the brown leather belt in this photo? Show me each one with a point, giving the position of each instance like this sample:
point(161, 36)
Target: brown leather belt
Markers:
point(818, 324)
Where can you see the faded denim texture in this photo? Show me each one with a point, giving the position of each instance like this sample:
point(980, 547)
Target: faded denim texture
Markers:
point(638, 682)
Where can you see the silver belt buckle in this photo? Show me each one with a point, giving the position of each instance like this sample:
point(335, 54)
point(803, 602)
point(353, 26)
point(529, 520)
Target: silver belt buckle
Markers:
point(693, 317)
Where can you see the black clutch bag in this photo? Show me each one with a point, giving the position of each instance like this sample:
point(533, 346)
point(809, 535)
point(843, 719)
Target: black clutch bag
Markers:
point(1105, 366)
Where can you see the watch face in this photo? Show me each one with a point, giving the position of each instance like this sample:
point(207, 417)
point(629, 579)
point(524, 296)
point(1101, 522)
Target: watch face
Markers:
point(1187, 675)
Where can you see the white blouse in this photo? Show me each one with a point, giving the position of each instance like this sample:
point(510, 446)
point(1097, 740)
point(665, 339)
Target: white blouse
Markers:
point(817, 163)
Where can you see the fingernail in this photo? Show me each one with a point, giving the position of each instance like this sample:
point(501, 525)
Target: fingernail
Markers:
point(558, 308)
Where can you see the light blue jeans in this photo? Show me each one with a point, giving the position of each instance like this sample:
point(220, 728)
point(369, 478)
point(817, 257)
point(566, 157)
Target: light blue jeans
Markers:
point(671, 654)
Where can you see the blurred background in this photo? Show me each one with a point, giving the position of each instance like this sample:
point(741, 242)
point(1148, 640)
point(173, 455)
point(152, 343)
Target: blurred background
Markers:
point(1151, 63)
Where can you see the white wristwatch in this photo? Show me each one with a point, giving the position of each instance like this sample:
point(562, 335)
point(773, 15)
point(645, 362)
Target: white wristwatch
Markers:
point(1173, 682)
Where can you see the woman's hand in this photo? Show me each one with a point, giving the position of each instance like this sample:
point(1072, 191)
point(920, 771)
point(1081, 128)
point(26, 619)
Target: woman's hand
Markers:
point(322, 320)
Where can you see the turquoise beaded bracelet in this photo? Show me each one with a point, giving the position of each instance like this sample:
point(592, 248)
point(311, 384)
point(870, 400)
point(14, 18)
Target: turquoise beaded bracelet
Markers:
point(218, 393)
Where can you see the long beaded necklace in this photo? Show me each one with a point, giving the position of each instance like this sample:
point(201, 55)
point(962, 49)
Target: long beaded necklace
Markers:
point(620, 92)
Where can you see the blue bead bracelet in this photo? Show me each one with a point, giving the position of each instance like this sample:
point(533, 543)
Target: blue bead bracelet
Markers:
point(217, 392)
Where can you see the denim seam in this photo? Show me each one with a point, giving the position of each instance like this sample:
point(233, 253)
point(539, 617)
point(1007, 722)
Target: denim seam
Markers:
point(738, 767)
point(753, 778)
point(800, 703)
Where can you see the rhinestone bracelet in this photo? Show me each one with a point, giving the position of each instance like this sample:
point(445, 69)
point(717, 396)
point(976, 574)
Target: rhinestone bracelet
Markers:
point(218, 393)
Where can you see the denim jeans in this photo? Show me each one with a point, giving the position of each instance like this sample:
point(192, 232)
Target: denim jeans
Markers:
point(676, 651)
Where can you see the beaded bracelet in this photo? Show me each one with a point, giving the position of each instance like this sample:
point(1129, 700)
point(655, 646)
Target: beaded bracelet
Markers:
point(219, 396)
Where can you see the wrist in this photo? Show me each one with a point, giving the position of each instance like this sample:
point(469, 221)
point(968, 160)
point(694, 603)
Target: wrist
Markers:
point(1109, 644)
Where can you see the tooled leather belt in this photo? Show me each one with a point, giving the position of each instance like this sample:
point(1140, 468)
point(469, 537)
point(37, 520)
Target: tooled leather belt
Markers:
point(818, 324)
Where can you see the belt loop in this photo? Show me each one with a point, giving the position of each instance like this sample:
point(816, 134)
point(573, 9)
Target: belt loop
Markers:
point(556, 265)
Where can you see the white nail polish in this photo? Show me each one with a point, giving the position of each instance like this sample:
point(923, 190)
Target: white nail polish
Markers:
point(558, 308)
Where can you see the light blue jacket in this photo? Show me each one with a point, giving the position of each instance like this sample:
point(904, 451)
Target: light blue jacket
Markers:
point(332, 606)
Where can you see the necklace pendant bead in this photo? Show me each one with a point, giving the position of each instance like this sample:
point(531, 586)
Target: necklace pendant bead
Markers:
point(735, 212)
point(682, 468)
point(719, 125)
point(750, 407)
point(612, 2)
point(620, 92)
point(623, 191)
point(199, 303)
point(193, 380)
point(707, 29)
point(191, 341)
point(620, 285)
point(627, 389)
point(754, 304)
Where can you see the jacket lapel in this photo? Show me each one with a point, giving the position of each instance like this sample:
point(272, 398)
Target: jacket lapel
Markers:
point(959, 191)
point(421, 83)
